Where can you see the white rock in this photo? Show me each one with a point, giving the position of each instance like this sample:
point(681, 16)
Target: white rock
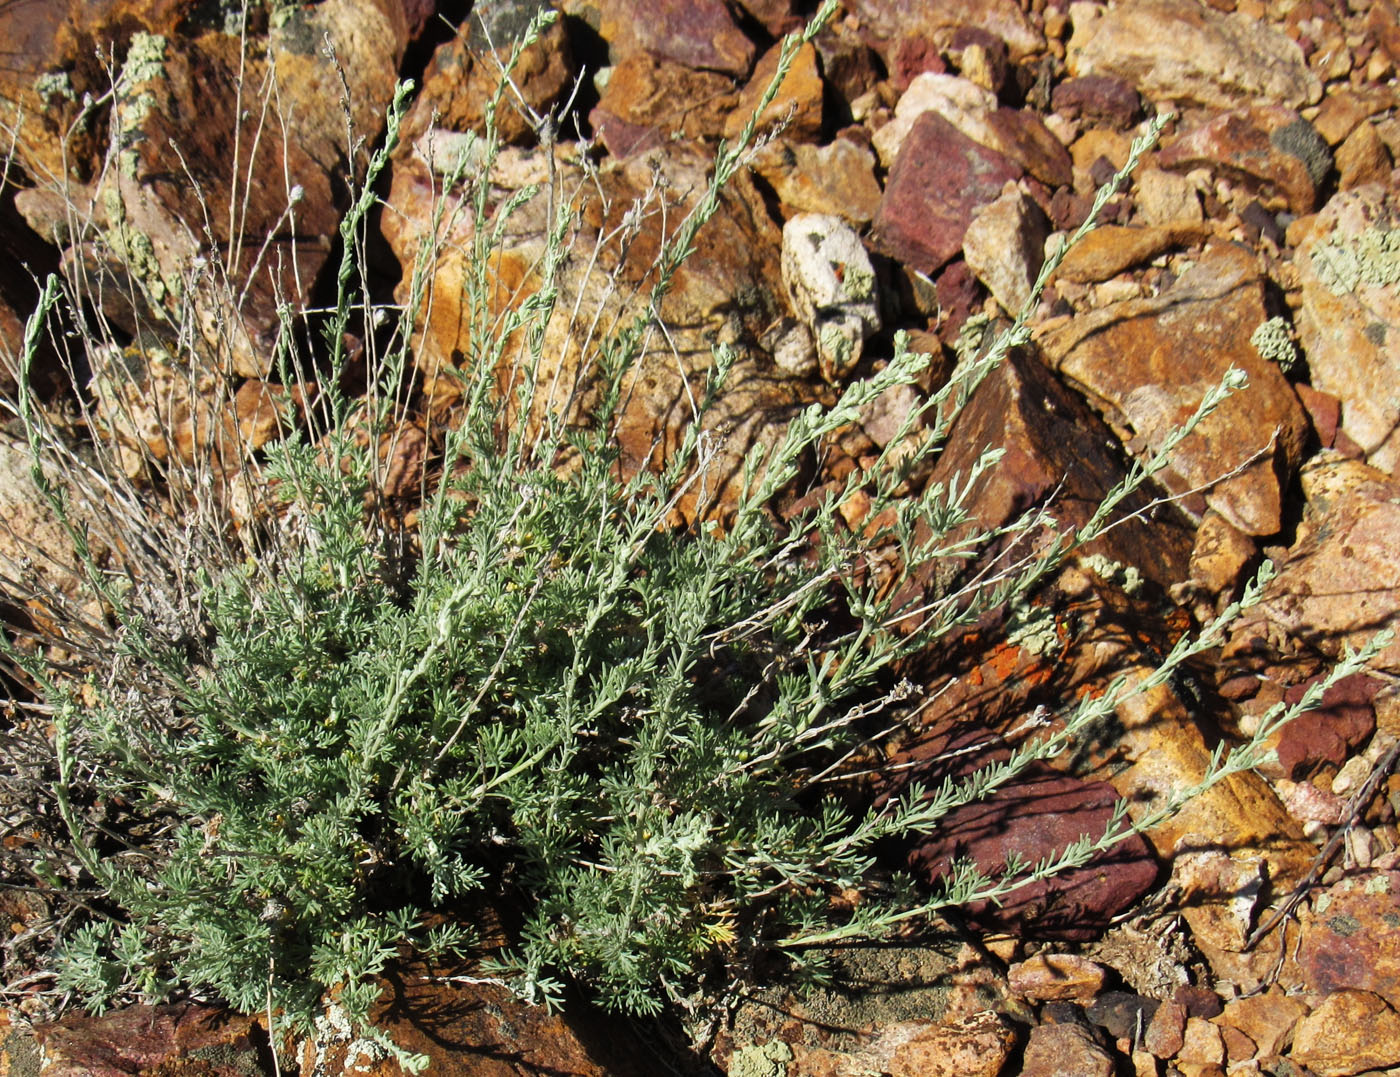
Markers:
point(831, 284)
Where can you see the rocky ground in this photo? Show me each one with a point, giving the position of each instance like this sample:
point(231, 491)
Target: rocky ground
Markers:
point(931, 151)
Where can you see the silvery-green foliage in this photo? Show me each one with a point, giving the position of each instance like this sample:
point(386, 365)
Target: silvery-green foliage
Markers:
point(547, 693)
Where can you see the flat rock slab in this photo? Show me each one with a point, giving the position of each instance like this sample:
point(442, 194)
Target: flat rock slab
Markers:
point(1349, 323)
point(1181, 50)
point(1146, 364)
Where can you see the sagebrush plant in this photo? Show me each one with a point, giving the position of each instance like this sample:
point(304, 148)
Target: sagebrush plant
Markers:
point(287, 741)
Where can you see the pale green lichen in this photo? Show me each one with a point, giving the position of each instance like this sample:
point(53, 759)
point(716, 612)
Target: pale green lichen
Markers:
point(55, 84)
point(1344, 263)
point(1125, 576)
point(1273, 342)
point(835, 343)
point(857, 283)
point(1032, 628)
point(768, 1060)
point(145, 59)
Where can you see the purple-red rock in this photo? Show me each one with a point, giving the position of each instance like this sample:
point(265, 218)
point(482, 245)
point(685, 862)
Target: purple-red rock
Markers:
point(1267, 148)
point(1341, 723)
point(1033, 816)
point(939, 180)
point(1098, 98)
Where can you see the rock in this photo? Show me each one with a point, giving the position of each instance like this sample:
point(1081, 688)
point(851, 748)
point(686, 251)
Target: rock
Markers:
point(191, 263)
point(1055, 1050)
point(837, 179)
point(1166, 1030)
point(1184, 51)
point(1099, 99)
point(939, 180)
point(1348, 940)
point(1202, 1044)
point(144, 1039)
point(1268, 1019)
point(1349, 269)
point(1050, 976)
point(831, 283)
point(1181, 342)
point(1341, 581)
point(1344, 108)
point(1349, 1032)
point(1362, 158)
point(1005, 244)
point(1122, 1014)
point(1166, 198)
point(798, 102)
point(464, 72)
point(958, 100)
point(474, 1030)
point(1035, 815)
point(1220, 556)
point(1018, 135)
point(36, 551)
point(1111, 248)
point(977, 1046)
point(647, 102)
point(1341, 724)
point(892, 24)
point(1266, 149)
point(1055, 448)
point(695, 33)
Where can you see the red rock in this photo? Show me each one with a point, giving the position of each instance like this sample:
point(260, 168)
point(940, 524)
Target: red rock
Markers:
point(1099, 98)
point(1343, 722)
point(1146, 363)
point(1022, 137)
point(1165, 1032)
point(1348, 1032)
point(938, 181)
point(1362, 158)
point(1267, 149)
point(139, 1039)
point(464, 72)
point(1034, 816)
point(1056, 1050)
point(1053, 443)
